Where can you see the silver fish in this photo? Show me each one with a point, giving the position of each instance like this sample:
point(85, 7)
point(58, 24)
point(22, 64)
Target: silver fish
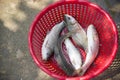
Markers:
point(59, 57)
point(80, 38)
point(93, 48)
point(51, 40)
point(74, 55)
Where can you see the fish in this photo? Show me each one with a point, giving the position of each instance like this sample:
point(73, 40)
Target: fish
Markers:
point(74, 55)
point(93, 48)
point(80, 38)
point(60, 58)
point(51, 40)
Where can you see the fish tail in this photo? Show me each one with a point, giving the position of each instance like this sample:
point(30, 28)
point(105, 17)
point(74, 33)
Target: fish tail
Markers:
point(77, 72)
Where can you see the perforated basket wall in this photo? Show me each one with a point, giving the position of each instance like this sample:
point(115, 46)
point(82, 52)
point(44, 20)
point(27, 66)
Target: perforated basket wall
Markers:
point(85, 13)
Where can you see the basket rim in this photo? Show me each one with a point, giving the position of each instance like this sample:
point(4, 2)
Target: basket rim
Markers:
point(41, 13)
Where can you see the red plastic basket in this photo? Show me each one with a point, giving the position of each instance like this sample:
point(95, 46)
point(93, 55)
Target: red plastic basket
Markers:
point(85, 13)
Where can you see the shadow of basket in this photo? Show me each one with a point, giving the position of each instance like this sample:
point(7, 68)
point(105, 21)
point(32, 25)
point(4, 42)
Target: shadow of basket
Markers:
point(114, 69)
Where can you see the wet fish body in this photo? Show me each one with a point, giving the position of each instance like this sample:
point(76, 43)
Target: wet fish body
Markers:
point(80, 38)
point(59, 57)
point(93, 48)
point(74, 55)
point(51, 40)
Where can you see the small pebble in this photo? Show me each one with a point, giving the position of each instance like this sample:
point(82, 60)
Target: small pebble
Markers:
point(19, 54)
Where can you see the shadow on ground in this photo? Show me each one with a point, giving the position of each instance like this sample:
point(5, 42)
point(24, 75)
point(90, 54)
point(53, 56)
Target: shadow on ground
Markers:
point(16, 62)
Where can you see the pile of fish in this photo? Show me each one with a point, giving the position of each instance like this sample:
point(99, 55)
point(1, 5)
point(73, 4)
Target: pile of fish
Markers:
point(88, 40)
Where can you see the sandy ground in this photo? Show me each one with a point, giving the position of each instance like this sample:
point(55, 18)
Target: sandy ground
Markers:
point(15, 19)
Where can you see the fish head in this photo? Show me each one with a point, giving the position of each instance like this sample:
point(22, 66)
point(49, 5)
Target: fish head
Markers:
point(46, 54)
point(69, 20)
point(91, 27)
point(91, 32)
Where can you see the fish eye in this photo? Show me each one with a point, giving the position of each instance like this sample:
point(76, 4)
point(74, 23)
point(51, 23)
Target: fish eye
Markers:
point(68, 18)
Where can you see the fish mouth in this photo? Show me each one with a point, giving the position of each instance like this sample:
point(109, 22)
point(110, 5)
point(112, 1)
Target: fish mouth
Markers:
point(65, 19)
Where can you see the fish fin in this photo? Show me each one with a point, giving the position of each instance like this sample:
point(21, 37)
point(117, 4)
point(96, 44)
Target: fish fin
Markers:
point(46, 43)
point(73, 61)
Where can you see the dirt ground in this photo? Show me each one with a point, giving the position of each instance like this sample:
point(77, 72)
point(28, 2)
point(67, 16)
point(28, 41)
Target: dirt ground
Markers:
point(15, 19)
